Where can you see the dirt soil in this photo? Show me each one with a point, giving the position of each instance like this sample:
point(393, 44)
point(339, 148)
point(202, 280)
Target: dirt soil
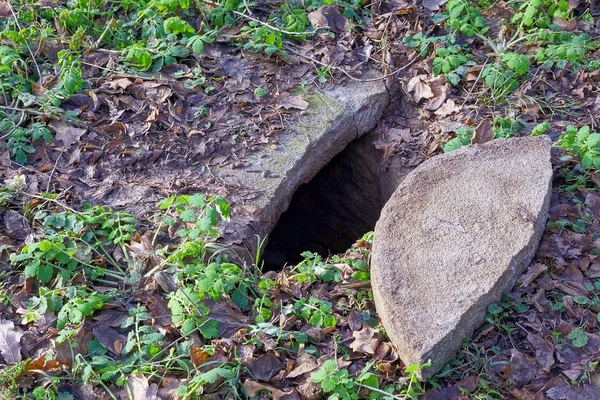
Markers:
point(143, 138)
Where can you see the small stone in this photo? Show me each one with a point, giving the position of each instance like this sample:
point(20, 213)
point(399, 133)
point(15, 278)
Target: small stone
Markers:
point(16, 225)
point(453, 238)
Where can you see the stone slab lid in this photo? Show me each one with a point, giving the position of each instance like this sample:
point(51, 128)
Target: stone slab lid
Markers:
point(455, 235)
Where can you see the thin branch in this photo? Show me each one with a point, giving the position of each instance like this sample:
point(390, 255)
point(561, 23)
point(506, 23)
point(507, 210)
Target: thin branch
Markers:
point(21, 120)
point(12, 11)
point(380, 391)
point(56, 164)
point(55, 117)
point(66, 207)
point(343, 71)
point(474, 84)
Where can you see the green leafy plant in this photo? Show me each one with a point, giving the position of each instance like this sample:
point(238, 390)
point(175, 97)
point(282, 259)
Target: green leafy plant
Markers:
point(451, 61)
point(539, 13)
point(20, 138)
point(464, 135)
point(465, 17)
point(565, 47)
point(540, 129)
point(317, 312)
point(335, 381)
point(189, 314)
point(81, 303)
point(423, 43)
point(583, 143)
point(505, 127)
point(578, 337)
point(503, 76)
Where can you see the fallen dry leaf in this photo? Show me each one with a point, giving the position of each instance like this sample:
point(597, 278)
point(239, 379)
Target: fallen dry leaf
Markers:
point(433, 5)
point(449, 107)
point(419, 88)
point(304, 363)
point(253, 388)
point(328, 17)
point(67, 134)
point(366, 340)
point(483, 132)
point(109, 338)
point(265, 367)
point(289, 101)
point(138, 388)
point(10, 342)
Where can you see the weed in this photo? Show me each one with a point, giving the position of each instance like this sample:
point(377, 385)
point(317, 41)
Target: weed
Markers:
point(505, 127)
point(465, 17)
point(464, 135)
point(540, 129)
point(578, 337)
point(335, 381)
point(81, 303)
point(317, 312)
point(452, 62)
point(503, 76)
point(584, 144)
point(189, 314)
point(312, 268)
point(539, 13)
point(563, 48)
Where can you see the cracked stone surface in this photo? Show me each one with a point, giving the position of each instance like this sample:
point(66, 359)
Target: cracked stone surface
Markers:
point(455, 235)
point(333, 120)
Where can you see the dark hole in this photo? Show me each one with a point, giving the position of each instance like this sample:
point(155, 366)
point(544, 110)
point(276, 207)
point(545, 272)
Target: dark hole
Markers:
point(337, 207)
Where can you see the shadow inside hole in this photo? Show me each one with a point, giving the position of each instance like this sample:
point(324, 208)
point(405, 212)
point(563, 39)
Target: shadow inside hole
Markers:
point(337, 207)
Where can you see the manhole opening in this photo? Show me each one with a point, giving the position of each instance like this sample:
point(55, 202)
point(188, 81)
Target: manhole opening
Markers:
point(337, 207)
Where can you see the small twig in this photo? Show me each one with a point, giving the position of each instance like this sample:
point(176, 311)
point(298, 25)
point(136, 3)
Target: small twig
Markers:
point(55, 164)
point(380, 391)
point(355, 285)
point(21, 120)
point(12, 11)
point(474, 84)
point(101, 38)
point(55, 117)
point(247, 7)
point(343, 71)
point(66, 207)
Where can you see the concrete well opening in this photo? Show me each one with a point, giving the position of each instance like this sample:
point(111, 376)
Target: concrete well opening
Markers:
point(337, 207)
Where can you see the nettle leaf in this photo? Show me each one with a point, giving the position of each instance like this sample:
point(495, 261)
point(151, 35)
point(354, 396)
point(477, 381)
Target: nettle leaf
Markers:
point(31, 268)
point(586, 161)
point(209, 329)
point(188, 216)
point(197, 201)
point(518, 63)
point(45, 272)
point(196, 44)
point(176, 26)
point(139, 57)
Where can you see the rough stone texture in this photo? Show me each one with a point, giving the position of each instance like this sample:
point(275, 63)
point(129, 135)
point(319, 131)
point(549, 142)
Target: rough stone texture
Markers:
point(332, 121)
point(455, 235)
point(16, 225)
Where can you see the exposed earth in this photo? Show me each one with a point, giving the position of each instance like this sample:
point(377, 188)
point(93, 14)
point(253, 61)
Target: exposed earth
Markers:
point(356, 102)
